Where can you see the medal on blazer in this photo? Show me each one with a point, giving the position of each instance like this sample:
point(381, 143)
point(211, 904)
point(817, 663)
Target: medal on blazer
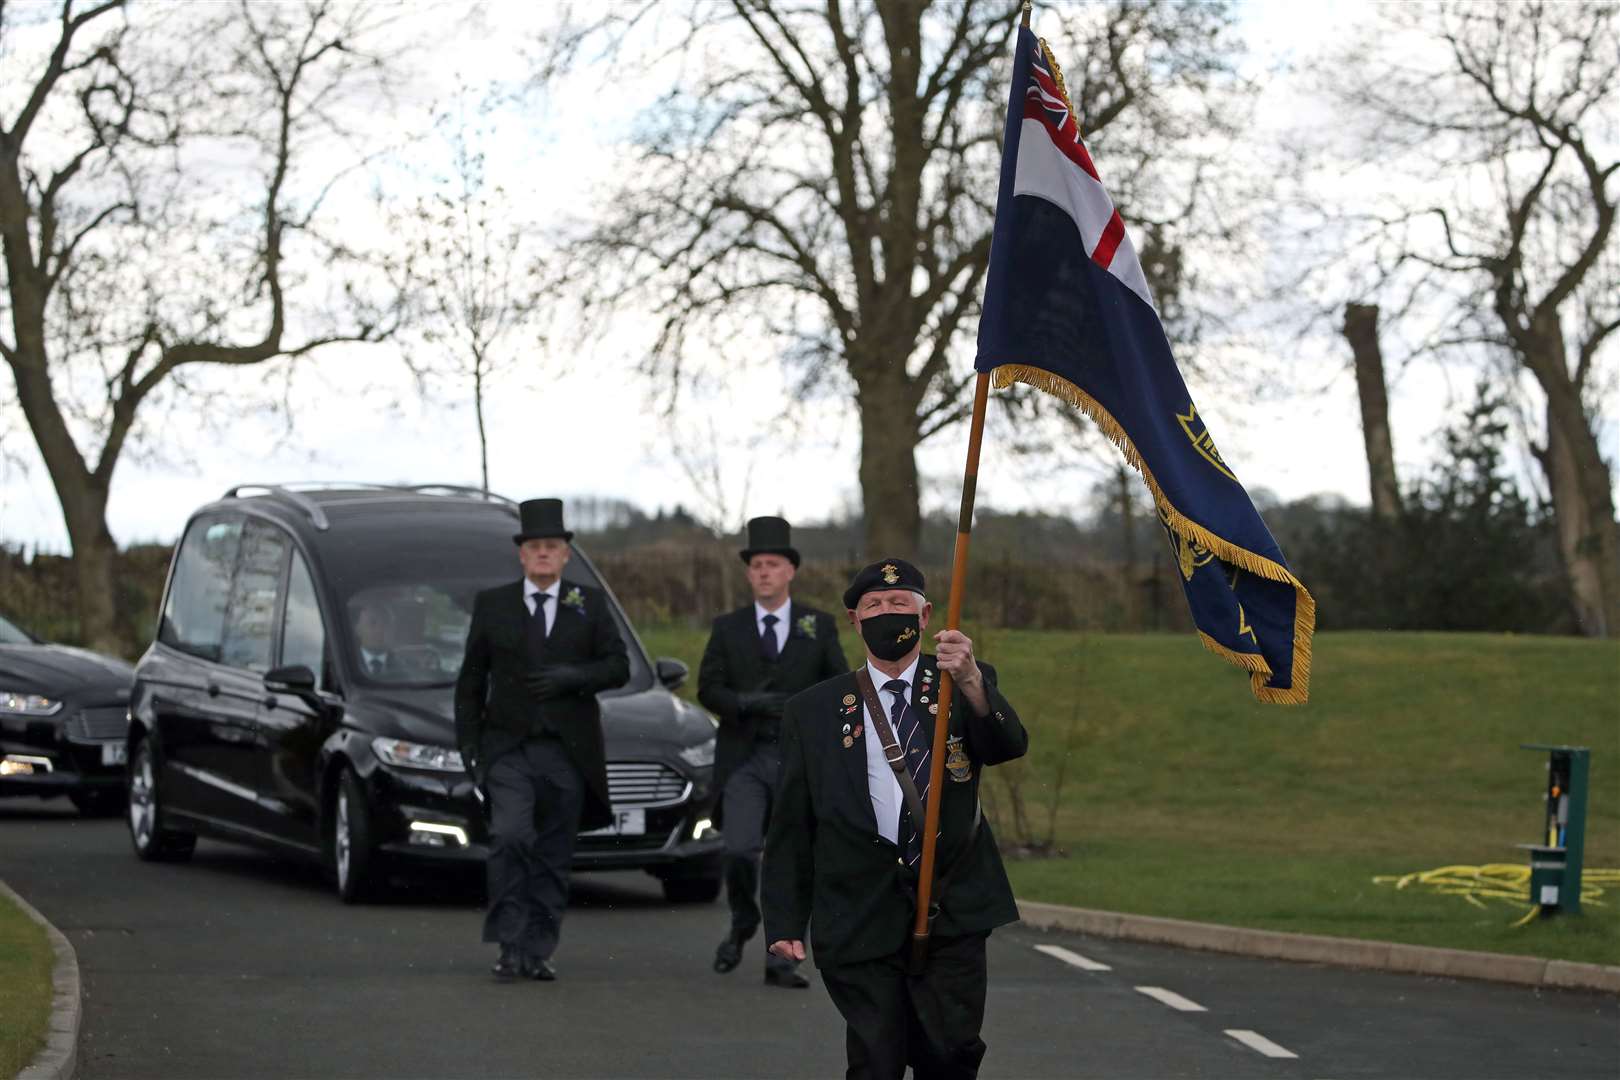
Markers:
point(956, 760)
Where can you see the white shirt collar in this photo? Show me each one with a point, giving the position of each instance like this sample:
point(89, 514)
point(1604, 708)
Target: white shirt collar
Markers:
point(781, 613)
point(530, 588)
point(908, 676)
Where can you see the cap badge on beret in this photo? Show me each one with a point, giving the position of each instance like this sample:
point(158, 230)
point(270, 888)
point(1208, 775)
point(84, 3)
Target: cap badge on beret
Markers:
point(891, 573)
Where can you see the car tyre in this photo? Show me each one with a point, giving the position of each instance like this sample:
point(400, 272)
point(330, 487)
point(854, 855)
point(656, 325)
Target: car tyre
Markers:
point(691, 890)
point(149, 833)
point(350, 847)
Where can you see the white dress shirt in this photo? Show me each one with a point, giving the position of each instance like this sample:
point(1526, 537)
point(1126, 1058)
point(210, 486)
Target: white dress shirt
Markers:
point(531, 590)
point(880, 779)
point(782, 614)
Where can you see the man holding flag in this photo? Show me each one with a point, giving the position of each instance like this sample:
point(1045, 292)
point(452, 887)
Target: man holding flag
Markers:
point(1066, 309)
point(843, 854)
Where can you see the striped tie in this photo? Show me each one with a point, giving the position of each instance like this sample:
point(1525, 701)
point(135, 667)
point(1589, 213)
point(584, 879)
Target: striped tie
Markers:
point(908, 732)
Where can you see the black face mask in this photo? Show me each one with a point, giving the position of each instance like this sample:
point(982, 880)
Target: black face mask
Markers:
point(891, 635)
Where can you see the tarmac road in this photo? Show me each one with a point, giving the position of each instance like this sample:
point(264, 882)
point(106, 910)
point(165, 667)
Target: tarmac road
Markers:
point(240, 965)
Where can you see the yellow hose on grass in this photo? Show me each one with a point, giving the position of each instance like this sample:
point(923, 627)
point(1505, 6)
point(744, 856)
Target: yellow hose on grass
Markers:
point(1508, 882)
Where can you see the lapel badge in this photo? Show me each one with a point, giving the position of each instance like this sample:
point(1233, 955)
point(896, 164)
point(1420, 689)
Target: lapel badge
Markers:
point(846, 729)
point(956, 760)
point(933, 710)
point(924, 698)
point(849, 741)
point(849, 699)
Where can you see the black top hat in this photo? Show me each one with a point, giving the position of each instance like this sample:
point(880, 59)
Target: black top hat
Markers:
point(770, 536)
point(882, 575)
point(540, 519)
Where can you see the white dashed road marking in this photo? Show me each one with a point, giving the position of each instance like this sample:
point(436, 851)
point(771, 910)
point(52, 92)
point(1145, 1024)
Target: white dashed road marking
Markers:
point(1255, 1041)
point(1084, 963)
point(1171, 998)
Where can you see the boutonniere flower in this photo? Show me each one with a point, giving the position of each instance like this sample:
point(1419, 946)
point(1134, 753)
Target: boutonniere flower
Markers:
point(575, 599)
point(806, 625)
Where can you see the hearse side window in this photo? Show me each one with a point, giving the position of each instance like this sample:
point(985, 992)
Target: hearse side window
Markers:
point(303, 637)
point(250, 621)
point(194, 611)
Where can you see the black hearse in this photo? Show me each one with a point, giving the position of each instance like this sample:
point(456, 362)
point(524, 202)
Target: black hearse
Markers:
point(258, 715)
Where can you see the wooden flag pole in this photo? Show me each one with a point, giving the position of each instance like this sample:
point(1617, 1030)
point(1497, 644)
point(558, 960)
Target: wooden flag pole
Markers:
point(953, 620)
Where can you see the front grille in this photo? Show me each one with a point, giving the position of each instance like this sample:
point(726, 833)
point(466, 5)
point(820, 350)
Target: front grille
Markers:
point(103, 724)
point(645, 783)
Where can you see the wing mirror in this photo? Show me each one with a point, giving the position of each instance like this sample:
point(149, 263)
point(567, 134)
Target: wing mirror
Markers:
point(671, 672)
point(291, 679)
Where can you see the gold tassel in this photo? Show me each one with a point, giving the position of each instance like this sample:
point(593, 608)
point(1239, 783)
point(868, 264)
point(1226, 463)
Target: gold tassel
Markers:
point(1304, 604)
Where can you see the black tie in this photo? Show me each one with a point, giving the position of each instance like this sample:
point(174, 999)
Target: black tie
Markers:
point(767, 640)
point(539, 615)
point(908, 733)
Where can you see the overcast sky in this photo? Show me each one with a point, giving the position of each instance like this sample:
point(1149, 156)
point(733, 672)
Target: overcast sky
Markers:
point(591, 430)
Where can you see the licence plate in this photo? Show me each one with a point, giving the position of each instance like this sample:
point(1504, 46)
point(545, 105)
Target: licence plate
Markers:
point(625, 823)
point(112, 753)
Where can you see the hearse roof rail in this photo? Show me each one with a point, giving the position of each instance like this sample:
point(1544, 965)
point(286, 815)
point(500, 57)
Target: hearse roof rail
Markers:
point(293, 494)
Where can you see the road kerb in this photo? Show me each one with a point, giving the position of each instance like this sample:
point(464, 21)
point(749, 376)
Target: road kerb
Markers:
point(59, 1060)
point(1320, 949)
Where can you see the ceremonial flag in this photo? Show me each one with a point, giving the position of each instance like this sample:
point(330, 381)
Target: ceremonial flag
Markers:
point(1067, 309)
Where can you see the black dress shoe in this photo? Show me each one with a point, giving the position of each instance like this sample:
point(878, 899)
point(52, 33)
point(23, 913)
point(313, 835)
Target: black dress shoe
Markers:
point(540, 970)
point(509, 966)
point(786, 977)
point(729, 954)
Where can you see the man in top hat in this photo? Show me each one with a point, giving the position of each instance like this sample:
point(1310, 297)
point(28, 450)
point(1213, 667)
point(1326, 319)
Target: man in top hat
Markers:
point(842, 855)
point(527, 722)
point(756, 658)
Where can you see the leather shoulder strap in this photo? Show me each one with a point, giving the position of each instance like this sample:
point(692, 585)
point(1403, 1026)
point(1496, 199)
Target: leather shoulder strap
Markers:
point(892, 752)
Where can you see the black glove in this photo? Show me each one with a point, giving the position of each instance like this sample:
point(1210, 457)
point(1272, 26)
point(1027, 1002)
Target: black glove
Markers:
point(765, 703)
point(558, 680)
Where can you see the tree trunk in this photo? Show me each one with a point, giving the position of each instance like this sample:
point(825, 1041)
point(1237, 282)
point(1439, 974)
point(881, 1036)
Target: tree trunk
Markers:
point(93, 562)
point(1124, 484)
point(82, 493)
point(889, 488)
point(1361, 331)
point(84, 510)
point(1588, 541)
point(478, 410)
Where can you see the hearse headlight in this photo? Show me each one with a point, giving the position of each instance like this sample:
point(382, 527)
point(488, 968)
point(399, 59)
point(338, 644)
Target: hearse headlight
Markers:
point(699, 755)
point(412, 755)
point(22, 703)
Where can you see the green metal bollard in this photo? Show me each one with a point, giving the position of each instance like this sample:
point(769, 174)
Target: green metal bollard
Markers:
point(1555, 859)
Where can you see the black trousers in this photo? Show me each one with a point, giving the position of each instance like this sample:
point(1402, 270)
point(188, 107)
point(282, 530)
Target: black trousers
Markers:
point(747, 802)
point(535, 796)
point(930, 1021)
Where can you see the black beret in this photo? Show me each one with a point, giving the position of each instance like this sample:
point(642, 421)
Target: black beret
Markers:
point(881, 575)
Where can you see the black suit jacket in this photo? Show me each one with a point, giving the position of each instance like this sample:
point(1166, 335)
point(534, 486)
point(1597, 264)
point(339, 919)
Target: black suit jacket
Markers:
point(494, 709)
point(827, 868)
point(733, 663)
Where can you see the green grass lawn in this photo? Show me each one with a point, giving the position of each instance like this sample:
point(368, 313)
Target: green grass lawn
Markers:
point(25, 987)
point(1168, 791)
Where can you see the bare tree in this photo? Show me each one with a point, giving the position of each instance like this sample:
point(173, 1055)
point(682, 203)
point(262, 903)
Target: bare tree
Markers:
point(471, 250)
point(162, 176)
point(1500, 122)
point(822, 178)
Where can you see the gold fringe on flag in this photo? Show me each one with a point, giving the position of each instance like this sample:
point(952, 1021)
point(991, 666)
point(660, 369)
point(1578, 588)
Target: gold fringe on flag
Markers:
point(1304, 605)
